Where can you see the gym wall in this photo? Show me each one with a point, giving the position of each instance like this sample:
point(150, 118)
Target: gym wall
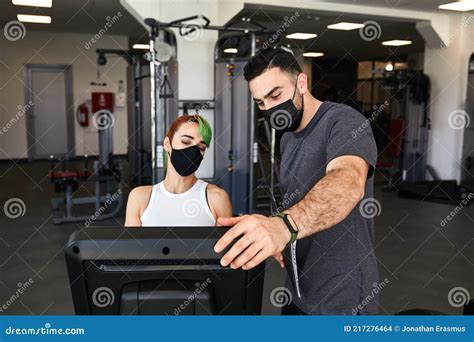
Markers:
point(59, 48)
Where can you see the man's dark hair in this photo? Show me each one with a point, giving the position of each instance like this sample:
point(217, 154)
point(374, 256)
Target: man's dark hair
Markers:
point(269, 58)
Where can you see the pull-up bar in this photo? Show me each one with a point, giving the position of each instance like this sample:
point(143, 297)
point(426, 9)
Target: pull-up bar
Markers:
point(181, 24)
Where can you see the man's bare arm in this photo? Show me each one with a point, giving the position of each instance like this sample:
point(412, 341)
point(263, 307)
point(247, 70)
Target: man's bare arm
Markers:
point(326, 204)
point(332, 198)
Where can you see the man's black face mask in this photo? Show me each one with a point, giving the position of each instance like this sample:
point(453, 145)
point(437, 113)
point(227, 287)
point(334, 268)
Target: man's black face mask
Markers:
point(285, 117)
point(187, 160)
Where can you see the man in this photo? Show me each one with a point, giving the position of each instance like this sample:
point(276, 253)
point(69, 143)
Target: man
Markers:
point(328, 156)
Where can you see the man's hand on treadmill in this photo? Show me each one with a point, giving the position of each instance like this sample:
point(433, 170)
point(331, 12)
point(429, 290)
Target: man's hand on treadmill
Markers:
point(259, 237)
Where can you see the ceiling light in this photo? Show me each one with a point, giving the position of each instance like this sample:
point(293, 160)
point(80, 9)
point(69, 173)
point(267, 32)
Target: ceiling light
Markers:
point(400, 65)
point(461, 6)
point(345, 26)
point(313, 54)
point(34, 3)
point(27, 18)
point(230, 50)
point(397, 42)
point(300, 35)
point(389, 66)
point(141, 46)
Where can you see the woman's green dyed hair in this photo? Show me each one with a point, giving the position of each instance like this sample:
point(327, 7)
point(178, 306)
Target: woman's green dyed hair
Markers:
point(204, 130)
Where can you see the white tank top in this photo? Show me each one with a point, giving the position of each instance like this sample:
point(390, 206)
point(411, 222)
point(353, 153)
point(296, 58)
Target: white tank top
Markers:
point(189, 208)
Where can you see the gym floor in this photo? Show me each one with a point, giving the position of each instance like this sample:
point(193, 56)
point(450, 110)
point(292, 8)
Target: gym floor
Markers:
point(420, 260)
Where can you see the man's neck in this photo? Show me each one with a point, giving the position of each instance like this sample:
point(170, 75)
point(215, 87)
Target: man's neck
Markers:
point(311, 106)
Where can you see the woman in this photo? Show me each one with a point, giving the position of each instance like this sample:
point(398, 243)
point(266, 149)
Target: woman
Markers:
point(180, 199)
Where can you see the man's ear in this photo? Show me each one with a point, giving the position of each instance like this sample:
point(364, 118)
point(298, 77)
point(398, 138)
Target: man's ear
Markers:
point(302, 83)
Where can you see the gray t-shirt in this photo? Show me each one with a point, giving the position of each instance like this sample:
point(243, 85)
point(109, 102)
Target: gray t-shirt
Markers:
point(337, 267)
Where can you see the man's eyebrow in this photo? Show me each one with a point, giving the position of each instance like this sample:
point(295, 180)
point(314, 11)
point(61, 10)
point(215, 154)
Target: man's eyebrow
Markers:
point(192, 138)
point(269, 93)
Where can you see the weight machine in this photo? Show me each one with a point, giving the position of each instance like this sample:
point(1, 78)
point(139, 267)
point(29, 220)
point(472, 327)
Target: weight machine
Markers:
point(106, 177)
point(235, 129)
point(410, 93)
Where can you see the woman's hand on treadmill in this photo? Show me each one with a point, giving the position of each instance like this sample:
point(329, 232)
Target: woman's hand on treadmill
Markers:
point(259, 237)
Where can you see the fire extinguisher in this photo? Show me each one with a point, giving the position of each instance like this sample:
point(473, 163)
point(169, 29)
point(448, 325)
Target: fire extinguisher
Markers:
point(82, 115)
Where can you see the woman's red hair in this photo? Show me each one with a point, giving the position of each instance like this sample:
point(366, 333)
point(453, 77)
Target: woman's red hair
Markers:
point(204, 128)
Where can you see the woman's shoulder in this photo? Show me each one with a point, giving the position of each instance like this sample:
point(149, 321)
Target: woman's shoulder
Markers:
point(142, 189)
point(214, 190)
point(219, 201)
point(216, 194)
point(140, 195)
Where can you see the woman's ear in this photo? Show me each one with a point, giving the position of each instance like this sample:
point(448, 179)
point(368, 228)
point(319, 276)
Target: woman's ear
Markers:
point(167, 145)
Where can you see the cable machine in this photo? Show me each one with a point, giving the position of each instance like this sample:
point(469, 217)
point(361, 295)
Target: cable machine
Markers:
point(235, 126)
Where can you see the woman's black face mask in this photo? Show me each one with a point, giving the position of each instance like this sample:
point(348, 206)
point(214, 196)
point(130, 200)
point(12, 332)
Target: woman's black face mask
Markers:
point(187, 160)
point(285, 116)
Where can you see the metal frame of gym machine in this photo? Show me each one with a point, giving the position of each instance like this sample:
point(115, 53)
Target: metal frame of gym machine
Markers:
point(107, 171)
point(139, 119)
point(467, 171)
point(410, 101)
point(237, 154)
point(234, 172)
